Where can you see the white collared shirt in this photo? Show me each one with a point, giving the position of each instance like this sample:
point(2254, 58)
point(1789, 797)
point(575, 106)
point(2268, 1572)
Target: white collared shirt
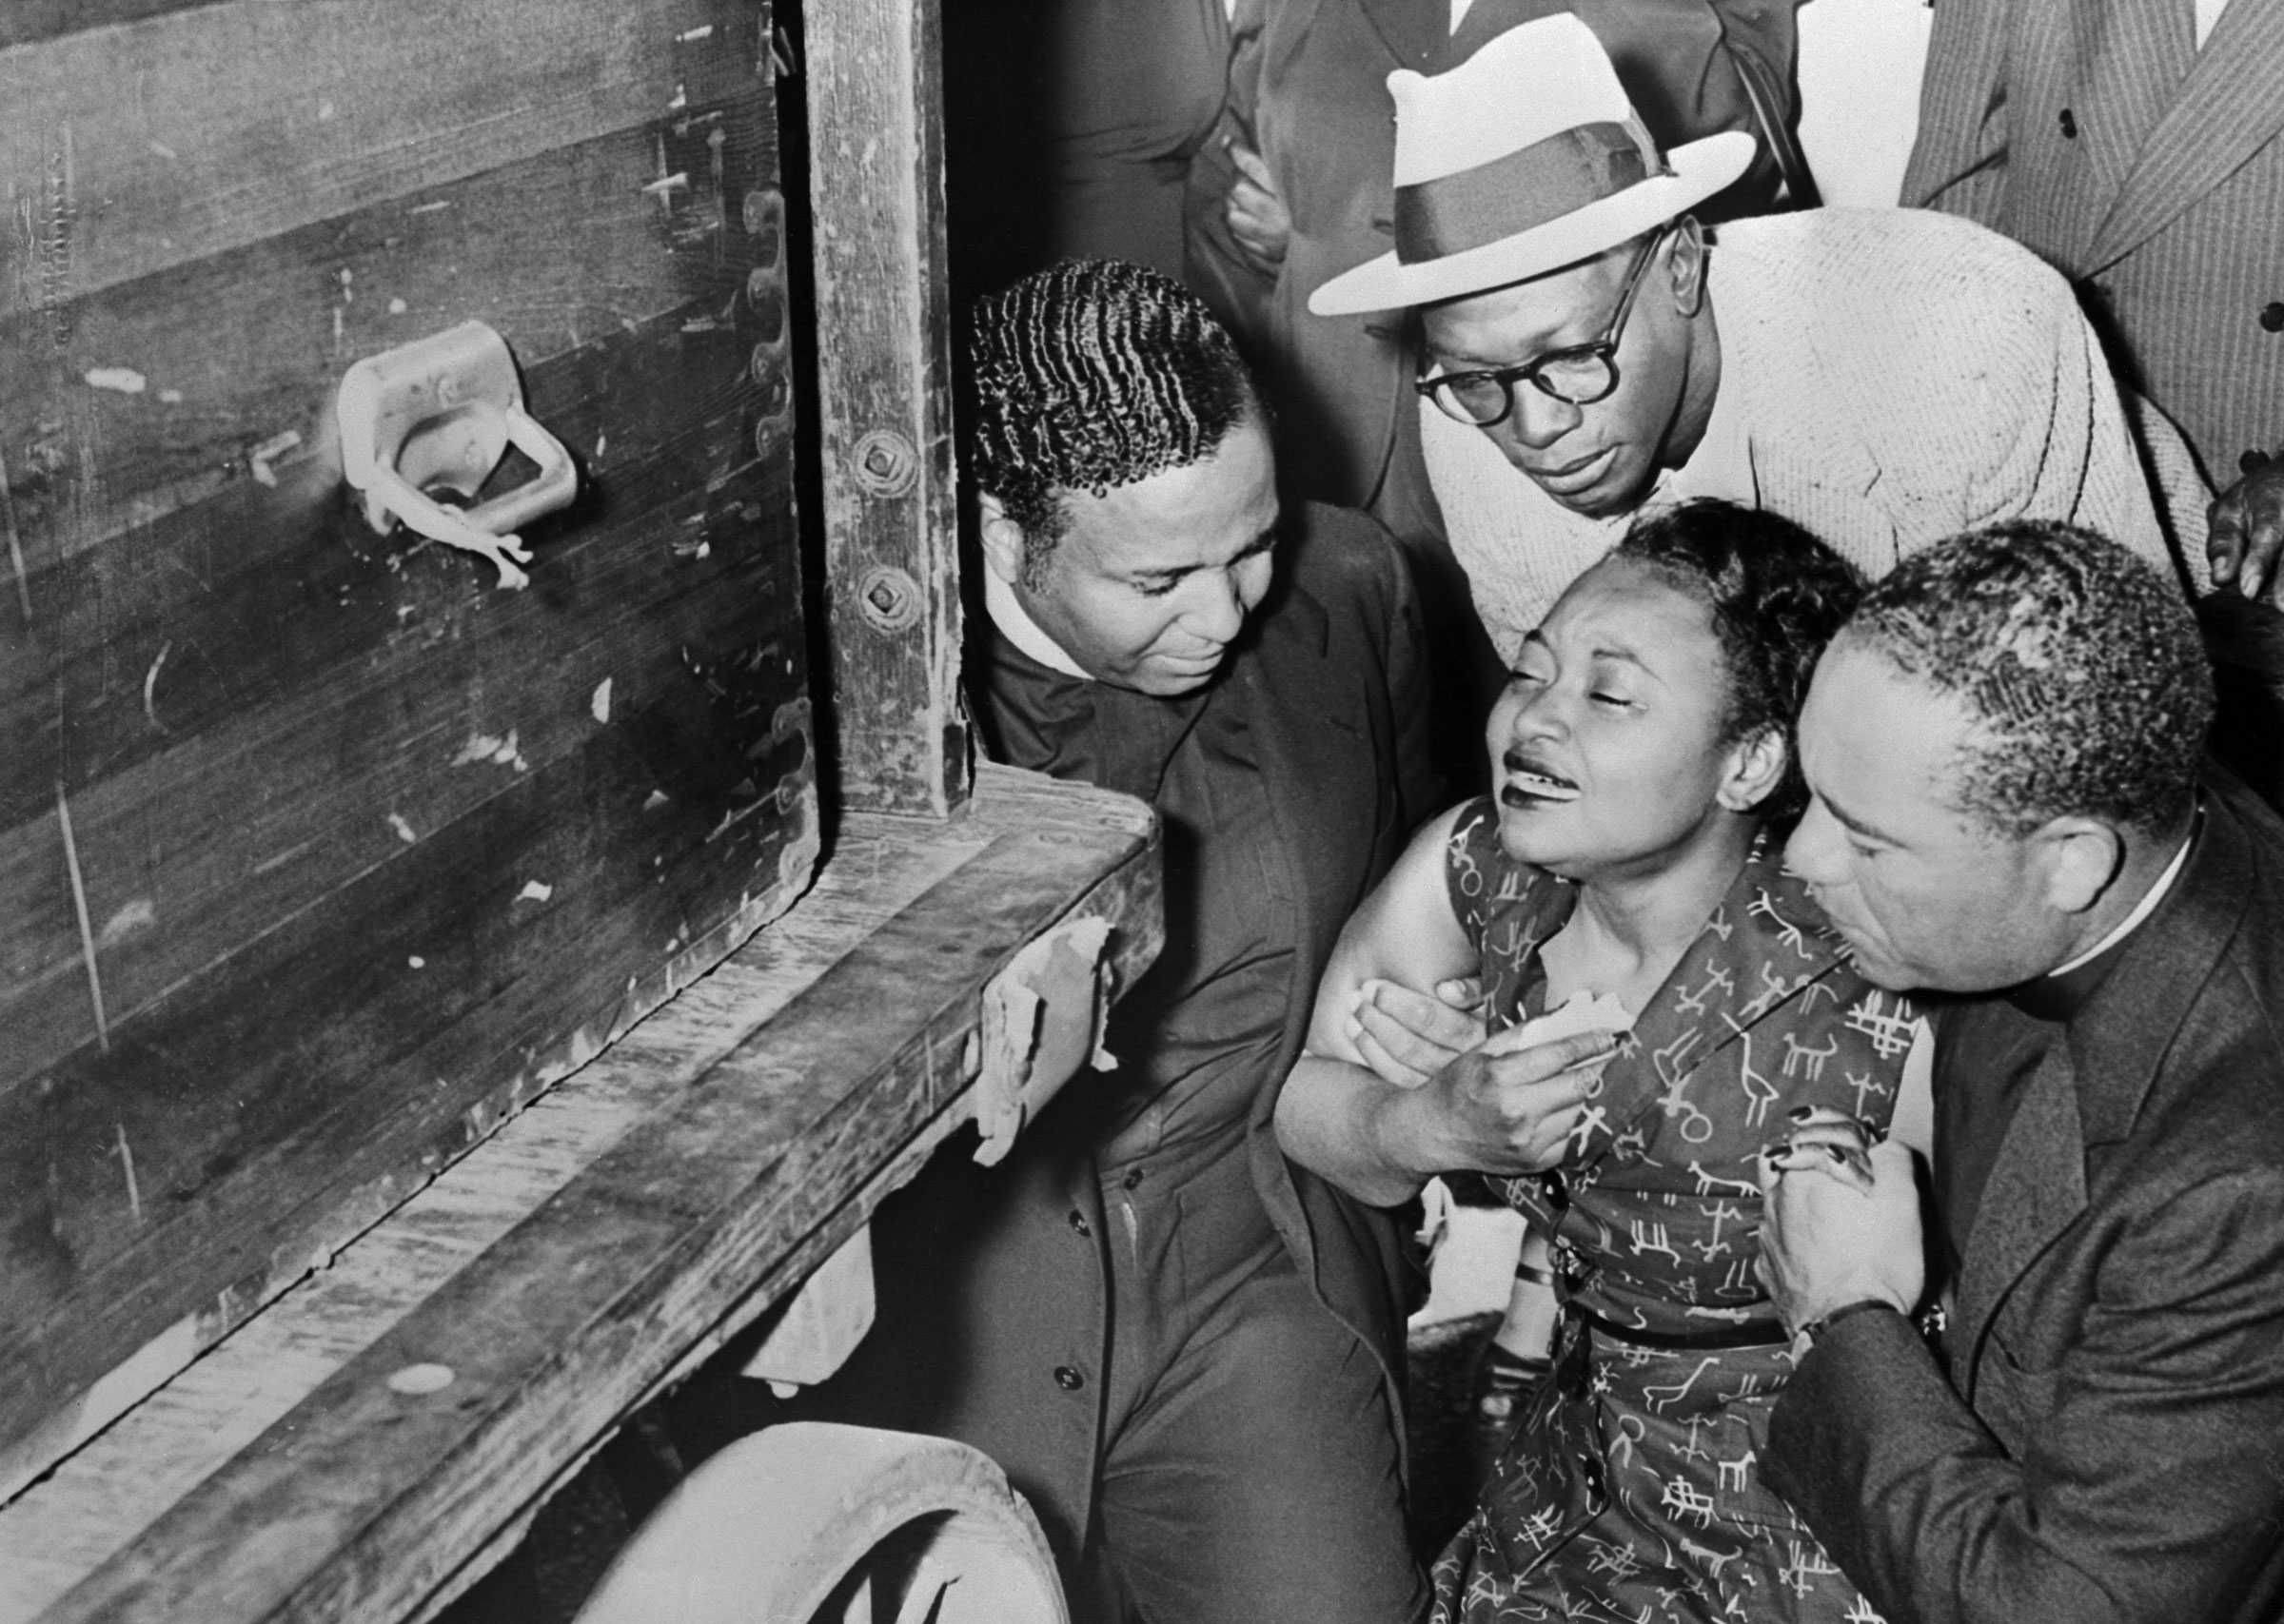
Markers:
point(2142, 910)
point(1018, 627)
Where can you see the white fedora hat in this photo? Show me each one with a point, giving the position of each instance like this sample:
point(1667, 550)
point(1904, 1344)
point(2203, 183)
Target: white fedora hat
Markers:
point(1525, 158)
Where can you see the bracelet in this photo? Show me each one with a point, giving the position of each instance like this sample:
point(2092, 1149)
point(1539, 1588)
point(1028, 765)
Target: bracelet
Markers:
point(1532, 1273)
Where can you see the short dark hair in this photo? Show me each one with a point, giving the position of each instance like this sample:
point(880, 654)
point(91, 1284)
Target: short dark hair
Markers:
point(1089, 374)
point(2079, 665)
point(1777, 595)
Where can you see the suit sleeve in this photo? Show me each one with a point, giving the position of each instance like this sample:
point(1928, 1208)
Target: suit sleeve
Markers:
point(1958, 156)
point(2146, 1490)
point(1420, 788)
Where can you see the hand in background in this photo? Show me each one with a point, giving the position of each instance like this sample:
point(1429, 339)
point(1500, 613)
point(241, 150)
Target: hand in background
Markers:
point(1256, 215)
point(2247, 532)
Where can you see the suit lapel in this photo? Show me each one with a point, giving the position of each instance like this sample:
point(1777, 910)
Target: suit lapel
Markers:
point(2227, 107)
point(2037, 1189)
point(2091, 1088)
point(1317, 805)
point(2134, 55)
point(1412, 30)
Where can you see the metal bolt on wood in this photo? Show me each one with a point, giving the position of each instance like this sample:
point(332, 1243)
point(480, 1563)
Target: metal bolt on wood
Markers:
point(889, 598)
point(886, 463)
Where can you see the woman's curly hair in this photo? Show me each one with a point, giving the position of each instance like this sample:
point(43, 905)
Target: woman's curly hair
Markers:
point(1776, 595)
point(1088, 375)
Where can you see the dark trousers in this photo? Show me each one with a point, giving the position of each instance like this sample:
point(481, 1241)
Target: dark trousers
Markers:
point(1221, 1450)
point(1249, 1466)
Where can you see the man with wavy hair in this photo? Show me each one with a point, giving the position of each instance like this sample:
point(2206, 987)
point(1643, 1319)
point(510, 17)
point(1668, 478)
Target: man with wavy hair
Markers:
point(2004, 748)
point(1185, 1352)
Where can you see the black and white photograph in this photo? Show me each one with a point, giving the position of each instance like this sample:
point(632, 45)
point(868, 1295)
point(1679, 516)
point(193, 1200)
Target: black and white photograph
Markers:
point(1142, 811)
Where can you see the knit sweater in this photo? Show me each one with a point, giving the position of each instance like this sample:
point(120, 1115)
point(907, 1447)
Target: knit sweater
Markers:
point(1894, 377)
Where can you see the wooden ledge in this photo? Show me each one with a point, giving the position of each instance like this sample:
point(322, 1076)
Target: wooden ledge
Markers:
point(368, 1444)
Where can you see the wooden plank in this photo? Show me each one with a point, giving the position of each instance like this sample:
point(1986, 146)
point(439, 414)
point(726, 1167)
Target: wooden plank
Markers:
point(25, 21)
point(201, 812)
point(876, 183)
point(278, 323)
point(360, 1499)
point(161, 141)
point(325, 1060)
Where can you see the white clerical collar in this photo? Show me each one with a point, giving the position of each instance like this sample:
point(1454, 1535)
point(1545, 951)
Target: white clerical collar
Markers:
point(2142, 910)
point(1018, 628)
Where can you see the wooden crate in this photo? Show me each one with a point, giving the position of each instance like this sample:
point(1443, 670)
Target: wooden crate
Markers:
point(319, 852)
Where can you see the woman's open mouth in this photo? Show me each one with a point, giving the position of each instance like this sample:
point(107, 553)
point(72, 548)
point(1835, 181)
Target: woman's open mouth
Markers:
point(1530, 783)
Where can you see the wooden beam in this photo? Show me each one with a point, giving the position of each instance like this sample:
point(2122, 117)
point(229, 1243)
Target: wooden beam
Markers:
point(884, 362)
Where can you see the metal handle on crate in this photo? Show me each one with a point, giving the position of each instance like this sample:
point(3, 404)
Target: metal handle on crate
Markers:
point(438, 415)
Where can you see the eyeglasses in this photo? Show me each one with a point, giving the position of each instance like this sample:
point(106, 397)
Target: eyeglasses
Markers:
point(1579, 375)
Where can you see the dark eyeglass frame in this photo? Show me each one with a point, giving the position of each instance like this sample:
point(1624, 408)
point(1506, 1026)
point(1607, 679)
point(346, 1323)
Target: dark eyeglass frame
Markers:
point(1605, 349)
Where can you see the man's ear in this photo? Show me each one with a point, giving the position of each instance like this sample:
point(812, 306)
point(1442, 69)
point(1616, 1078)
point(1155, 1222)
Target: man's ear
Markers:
point(1685, 264)
point(1001, 538)
point(1755, 768)
point(2080, 856)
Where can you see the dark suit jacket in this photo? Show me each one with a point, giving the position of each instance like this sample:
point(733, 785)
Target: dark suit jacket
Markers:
point(2147, 172)
point(1331, 666)
point(2108, 1440)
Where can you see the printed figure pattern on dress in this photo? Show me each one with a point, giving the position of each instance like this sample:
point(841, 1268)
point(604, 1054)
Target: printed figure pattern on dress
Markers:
point(1630, 1490)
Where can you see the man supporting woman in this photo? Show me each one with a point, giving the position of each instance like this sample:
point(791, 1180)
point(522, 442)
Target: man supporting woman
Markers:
point(1642, 764)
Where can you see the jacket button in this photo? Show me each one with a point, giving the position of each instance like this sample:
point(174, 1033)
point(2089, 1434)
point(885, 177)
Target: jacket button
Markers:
point(2272, 316)
point(2069, 125)
point(1079, 1221)
point(1067, 1377)
point(1132, 1180)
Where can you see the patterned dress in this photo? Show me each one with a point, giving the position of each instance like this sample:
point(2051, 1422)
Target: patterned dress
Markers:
point(1629, 1491)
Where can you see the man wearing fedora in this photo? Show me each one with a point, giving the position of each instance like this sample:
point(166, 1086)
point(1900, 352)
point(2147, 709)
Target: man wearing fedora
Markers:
point(1884, 377)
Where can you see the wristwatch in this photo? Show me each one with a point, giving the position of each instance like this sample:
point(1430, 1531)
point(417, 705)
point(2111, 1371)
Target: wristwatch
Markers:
point(1804, 1339)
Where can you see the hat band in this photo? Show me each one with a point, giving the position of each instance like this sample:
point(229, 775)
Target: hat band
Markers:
point(1522, 190)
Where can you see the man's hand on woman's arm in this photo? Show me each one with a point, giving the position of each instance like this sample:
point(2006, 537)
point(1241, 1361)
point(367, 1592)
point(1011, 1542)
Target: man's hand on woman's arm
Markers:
point(1394, 1087)
point(1504, 1113)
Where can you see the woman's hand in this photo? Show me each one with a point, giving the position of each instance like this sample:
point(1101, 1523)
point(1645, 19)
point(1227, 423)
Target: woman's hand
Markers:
point(1827, 1242)
point(1507, 1114)
point(1407, 1037)
point(1828, 1142)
